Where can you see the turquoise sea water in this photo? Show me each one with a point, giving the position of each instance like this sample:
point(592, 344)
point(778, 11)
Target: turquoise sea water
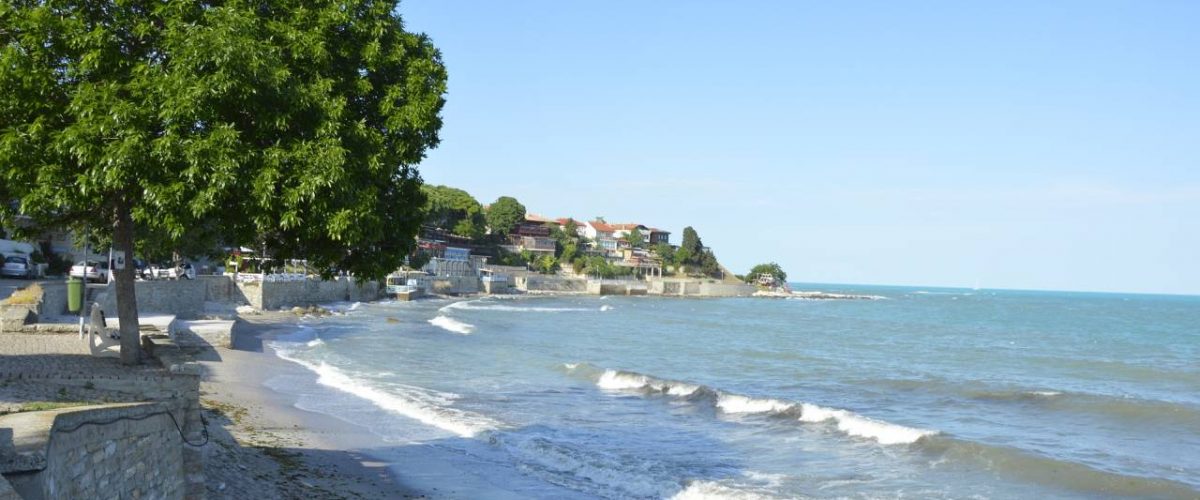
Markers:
point(923, 393)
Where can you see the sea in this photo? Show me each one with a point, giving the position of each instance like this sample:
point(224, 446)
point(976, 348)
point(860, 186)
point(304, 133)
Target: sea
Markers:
point(903, 393)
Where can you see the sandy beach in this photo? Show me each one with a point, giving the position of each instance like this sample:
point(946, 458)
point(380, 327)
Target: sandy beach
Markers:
point(264, 447)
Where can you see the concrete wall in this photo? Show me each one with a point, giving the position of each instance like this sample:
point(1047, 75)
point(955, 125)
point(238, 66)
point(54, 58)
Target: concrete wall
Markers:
point(726, 290)
point(698, 288)
point(270, 295)
point(89, 456)
point(616, 287)
point(546, 283)
point(455, 285)
point(54, 301)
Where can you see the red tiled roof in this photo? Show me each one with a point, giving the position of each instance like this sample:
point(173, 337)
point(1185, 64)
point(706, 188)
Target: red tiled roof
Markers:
point(601, 226)
point(626, 227)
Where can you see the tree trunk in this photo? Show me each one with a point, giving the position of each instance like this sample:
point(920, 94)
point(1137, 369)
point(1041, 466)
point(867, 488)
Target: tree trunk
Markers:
point(126, 300)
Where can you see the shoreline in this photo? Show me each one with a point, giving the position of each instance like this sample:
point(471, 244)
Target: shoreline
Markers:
point(264, 446)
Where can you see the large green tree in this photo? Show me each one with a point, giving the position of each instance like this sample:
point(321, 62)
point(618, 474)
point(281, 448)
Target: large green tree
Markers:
point(295, 125)
point(772, 269)
point(455, 210)
point(635, 238)
point(691, 247)
point(504, 214)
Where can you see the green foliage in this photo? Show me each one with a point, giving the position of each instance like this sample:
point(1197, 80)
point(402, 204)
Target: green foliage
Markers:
point(683, 257)
point(692, 244)
point(635, 238)
point(295, 125)
point(598, 266)
point(770, 268)
point(665, 252)
point(571, 229)
point(418, 259)
point(709, 265)
point(546, 264)
point(455, 210)
point(504, 214)
point(568, 254)
point(506, 258)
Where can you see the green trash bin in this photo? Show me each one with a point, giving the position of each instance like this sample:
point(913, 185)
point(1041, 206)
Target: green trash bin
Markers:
point(74, 295)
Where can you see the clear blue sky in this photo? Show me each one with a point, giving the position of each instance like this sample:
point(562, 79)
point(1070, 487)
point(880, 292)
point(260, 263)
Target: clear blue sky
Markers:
point(1044, 145)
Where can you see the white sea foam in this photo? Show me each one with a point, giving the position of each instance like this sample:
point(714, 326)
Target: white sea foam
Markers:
point(315, 342)
point(733, 403)
point(1047, 393)
point(618, 380)
point(612, 379)
point(423, 405)
point(355, 306)
point(606, 307)
point(712, 490)
point(452, 325)
point(846, 421)
point(570, 366)
point(857, 425)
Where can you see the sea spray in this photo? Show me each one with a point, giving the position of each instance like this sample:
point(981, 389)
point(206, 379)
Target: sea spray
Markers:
point(452, 325)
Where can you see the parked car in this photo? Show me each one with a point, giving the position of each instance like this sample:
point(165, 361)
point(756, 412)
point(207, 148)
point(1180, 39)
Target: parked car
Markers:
point(170, 272)
point(90, 271)
point(16, 266)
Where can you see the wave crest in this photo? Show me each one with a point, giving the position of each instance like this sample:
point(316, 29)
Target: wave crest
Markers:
point(846, 421)
point(452, 325)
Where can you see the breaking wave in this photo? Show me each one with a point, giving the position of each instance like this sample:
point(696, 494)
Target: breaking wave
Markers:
point(452, 325)
point(424, 405)
point(846, 421)
point(712, 490)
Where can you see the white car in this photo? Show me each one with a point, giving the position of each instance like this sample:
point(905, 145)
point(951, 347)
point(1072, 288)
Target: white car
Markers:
point(16, 266)
point(90, 271)
point(180, 271)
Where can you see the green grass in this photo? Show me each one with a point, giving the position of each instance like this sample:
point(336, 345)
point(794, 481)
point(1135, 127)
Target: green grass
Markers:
point(45, 405)
point(27, 296)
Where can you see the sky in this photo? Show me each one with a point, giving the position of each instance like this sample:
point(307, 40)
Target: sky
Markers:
point(1028, 145)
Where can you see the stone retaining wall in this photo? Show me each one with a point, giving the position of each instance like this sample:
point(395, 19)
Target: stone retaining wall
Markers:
point(545, 283)
point(455, 285)
point(182, 298)
point(175, 389)
point(698, 288)
point(109, 451)
point(271, 295)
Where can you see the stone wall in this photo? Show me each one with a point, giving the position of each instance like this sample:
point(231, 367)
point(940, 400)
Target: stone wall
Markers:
point(698, 288)
point(616, 287)
point(455, 285)
point(271, 295)
point(545, 283)
point(726, 290)
point(182, 298)
point(222, 289)
point(112, 451)
point(176, 389)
